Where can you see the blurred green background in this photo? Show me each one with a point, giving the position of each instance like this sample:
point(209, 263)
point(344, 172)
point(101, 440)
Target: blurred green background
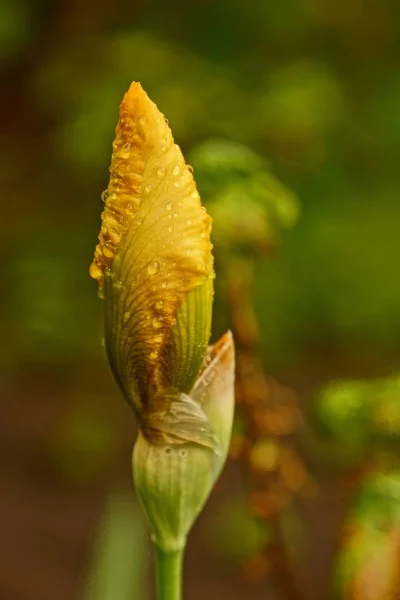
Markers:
point(312, 86)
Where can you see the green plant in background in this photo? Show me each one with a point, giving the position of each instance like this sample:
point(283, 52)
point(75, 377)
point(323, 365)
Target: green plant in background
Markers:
point(368, 564)
point(121, 533)
point(155, 272)
point(363, 416)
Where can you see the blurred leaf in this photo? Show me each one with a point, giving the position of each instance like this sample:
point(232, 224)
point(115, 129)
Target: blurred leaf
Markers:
point(248, 204)
point(120, 553)
point(368, 563)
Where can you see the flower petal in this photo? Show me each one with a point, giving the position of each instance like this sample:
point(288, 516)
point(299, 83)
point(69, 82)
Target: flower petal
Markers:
point(214, 392)
point(154, 246)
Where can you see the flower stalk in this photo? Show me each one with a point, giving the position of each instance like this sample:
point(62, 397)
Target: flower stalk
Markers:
point(169, 574)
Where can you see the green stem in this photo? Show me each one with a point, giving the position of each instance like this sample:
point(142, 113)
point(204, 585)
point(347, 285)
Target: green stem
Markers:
point(169, 574)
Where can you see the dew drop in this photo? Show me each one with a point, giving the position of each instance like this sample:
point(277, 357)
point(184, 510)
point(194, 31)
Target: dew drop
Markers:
point(108, 253)
point(176, 170)
point(153, 355)
point(175, 214)
point(189, 221)
point(157, 324)
point(177, 183)
point(182, 453)
point(127, 316)
point(164, 284)
point(161, 171)
point(168, 450)
point(170, 228)
point(148, 188)
point(104, 195)
point(125, 151)
point(169, 206)
point(95, 271)
point(153, 267)
point(194, 194)
point(159, 304)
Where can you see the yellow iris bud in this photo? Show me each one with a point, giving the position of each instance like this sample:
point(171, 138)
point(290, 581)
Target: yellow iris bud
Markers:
point(155, 272)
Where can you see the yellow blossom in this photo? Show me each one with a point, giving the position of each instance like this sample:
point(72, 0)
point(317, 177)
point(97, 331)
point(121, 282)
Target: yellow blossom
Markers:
point(154, 267)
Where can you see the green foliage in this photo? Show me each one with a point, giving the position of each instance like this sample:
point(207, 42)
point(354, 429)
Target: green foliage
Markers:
point(248, 204)
point(121, 536)
point(367, 566)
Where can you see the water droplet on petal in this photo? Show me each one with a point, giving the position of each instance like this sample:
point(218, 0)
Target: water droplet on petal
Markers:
point(157, 324)
point(176, 170)
point(177, 183)
point(175, 214)
point(108, 253)
point(147, 188)
point(153, 355)
point(104, 195)
point(189, 221)
point(153, 267)
point(125, 151)
point(169, 206)
point(159, 304)
point(164, 284)
point(161, 171)
point(127, 316)
point(194, 194)
point(170, 228)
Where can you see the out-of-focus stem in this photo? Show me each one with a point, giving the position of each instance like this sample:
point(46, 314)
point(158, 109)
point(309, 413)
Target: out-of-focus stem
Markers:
point(247, 333)
point(169, 574)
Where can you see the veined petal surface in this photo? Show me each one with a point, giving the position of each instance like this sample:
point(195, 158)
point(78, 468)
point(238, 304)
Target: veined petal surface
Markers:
point(154, 250)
